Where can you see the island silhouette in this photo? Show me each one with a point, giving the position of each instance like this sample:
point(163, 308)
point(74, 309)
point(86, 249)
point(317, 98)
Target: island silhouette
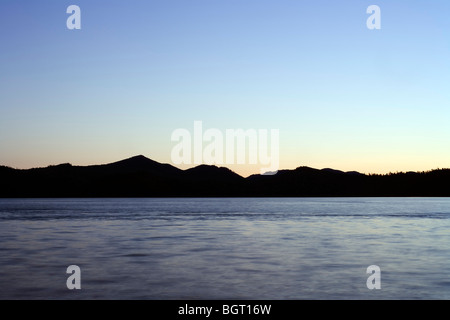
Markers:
point(142, 177)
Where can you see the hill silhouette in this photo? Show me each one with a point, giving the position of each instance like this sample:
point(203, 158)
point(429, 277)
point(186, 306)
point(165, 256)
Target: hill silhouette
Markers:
point(142, 177)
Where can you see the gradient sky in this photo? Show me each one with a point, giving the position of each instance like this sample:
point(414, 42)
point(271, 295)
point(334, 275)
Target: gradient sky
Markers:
point(341, 95)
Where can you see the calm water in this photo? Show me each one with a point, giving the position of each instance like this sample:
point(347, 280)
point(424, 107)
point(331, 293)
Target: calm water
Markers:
point(225, 248)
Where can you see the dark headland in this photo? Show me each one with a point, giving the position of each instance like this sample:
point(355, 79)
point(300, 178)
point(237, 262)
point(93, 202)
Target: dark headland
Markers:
point(142, 177)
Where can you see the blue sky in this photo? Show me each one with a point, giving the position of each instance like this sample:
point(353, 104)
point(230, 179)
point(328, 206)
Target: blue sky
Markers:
point(341, 95)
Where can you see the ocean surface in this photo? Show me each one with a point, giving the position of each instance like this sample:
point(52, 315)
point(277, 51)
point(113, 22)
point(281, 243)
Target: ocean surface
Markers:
point(225, 248)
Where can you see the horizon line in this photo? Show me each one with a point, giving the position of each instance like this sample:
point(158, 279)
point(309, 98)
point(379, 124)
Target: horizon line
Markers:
point(220, 166)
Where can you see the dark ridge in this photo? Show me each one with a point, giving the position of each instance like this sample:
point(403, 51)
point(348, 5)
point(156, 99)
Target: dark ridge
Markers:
point(353, 172)
point(212, 181)
point(208, 172)
point(142, 177)
point(138, 164)
point(332, 170)
point(5, 169)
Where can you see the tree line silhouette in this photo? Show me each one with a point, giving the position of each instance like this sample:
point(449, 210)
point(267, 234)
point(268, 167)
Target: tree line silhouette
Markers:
point(142, 177)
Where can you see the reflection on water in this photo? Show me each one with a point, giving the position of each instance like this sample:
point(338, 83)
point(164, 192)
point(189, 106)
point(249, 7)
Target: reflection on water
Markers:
point(225, 248)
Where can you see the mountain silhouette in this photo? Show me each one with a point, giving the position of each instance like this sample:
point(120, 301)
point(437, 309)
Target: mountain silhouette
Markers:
point(142, 177)
point(142, 164)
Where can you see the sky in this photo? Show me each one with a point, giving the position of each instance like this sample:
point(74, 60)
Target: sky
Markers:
point(341, 95)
